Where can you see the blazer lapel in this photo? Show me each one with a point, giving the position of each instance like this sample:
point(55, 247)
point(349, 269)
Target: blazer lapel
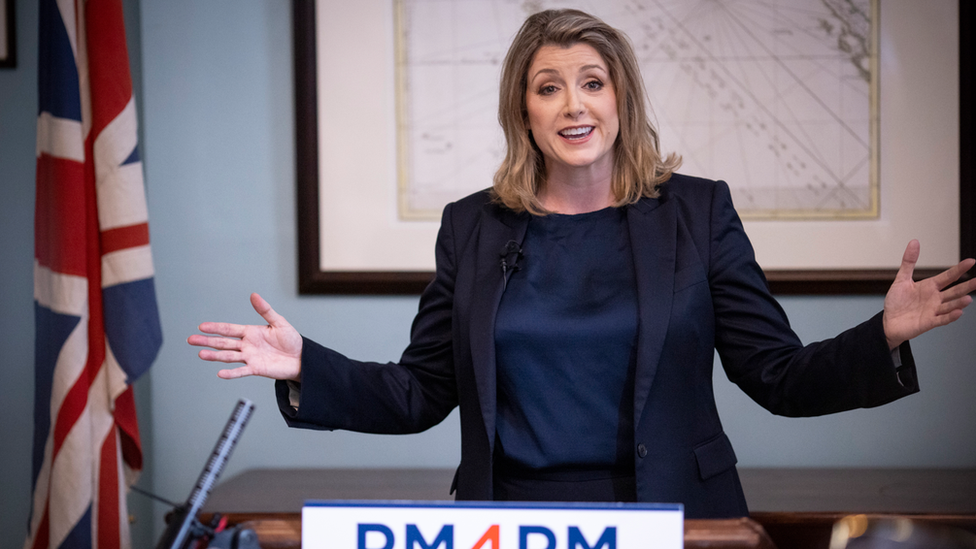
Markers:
point(499, 227)
point(653, 232)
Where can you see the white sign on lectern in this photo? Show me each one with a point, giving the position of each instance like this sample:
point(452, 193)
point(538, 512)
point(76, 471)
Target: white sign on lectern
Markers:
point(490, 525)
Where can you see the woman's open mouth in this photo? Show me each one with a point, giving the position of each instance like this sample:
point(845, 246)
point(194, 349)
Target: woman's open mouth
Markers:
point(575, 134)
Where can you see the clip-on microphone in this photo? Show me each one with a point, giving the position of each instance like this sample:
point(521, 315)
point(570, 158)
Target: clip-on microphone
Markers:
point(510, 255)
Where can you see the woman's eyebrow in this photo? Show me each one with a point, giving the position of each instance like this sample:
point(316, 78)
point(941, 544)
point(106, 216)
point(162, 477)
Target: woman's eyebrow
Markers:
point(594, 66)
point(553, 72)
point(584, 68)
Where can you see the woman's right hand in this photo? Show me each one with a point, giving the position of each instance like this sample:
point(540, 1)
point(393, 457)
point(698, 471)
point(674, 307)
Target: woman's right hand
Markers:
point(273, 351)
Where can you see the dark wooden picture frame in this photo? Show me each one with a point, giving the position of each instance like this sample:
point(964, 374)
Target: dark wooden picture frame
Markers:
point(9, 35)
point(313, 280)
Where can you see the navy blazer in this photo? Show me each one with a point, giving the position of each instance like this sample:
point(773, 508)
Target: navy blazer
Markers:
point(699, 289)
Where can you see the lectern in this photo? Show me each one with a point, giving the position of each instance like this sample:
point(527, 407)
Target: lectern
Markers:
point(791, 508)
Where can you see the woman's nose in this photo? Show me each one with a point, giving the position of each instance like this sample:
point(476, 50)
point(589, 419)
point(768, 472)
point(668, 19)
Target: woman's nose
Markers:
point(574, 104)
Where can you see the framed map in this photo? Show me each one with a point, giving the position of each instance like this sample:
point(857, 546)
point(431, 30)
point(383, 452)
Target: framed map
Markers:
point(835, 220)
point(777, 97)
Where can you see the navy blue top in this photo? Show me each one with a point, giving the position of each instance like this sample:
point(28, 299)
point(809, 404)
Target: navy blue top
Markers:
point(566, 340)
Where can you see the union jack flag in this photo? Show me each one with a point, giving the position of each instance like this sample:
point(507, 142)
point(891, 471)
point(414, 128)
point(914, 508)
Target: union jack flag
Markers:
point(97, 326)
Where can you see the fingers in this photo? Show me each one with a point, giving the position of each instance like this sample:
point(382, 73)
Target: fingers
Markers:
point(955, 305)
point(254, 346)
point(237, 330)
point(264, 309)
point(952, 274)
point(908, 261)
point(223, 329)
point(959, 290)
point(946, 319)
point(234, 373)
point(220, 343)
point(942, 280)
point(221, 356)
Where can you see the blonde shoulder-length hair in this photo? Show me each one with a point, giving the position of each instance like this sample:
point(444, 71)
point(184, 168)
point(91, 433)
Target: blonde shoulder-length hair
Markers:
point(638, 168)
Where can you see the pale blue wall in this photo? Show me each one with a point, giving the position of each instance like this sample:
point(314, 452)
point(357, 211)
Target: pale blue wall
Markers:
point(219, 156)
point(18, 115)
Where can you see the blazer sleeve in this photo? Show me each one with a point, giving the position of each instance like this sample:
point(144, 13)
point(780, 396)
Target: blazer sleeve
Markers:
point(407, 396)
point(764, 357)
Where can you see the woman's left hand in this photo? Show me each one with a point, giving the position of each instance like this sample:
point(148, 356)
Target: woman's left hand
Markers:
point(913, 308)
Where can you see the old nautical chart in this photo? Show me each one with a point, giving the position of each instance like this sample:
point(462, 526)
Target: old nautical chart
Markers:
point(777, 97)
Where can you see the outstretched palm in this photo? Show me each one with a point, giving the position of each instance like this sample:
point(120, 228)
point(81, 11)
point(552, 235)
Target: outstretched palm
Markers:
point(913, 308)
point(273, 350)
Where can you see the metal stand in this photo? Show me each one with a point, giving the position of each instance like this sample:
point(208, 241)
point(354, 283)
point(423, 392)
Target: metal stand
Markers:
point(183, 528)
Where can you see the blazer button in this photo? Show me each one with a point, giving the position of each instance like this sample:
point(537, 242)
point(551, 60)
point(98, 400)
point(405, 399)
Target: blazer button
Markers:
point(641, 450)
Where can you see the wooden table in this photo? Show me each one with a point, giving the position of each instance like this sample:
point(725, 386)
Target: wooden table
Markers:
point(795, 507)
point(798, 507)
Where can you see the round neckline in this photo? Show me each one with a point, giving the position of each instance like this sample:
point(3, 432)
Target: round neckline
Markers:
point(594, 213)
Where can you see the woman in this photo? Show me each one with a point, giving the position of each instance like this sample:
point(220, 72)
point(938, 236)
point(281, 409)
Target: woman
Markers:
point(576, 306)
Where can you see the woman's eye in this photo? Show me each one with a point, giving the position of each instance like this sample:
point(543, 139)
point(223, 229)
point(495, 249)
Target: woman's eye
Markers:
point(547, 90)
point(593, 85)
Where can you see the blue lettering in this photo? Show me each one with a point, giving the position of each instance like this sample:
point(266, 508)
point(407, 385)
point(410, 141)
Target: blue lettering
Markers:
point(446, 536)
point(607, 540)
point(524, 532)
point(364, 529)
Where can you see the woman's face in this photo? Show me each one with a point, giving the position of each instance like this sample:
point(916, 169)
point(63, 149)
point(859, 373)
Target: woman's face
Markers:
point(572, 109)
